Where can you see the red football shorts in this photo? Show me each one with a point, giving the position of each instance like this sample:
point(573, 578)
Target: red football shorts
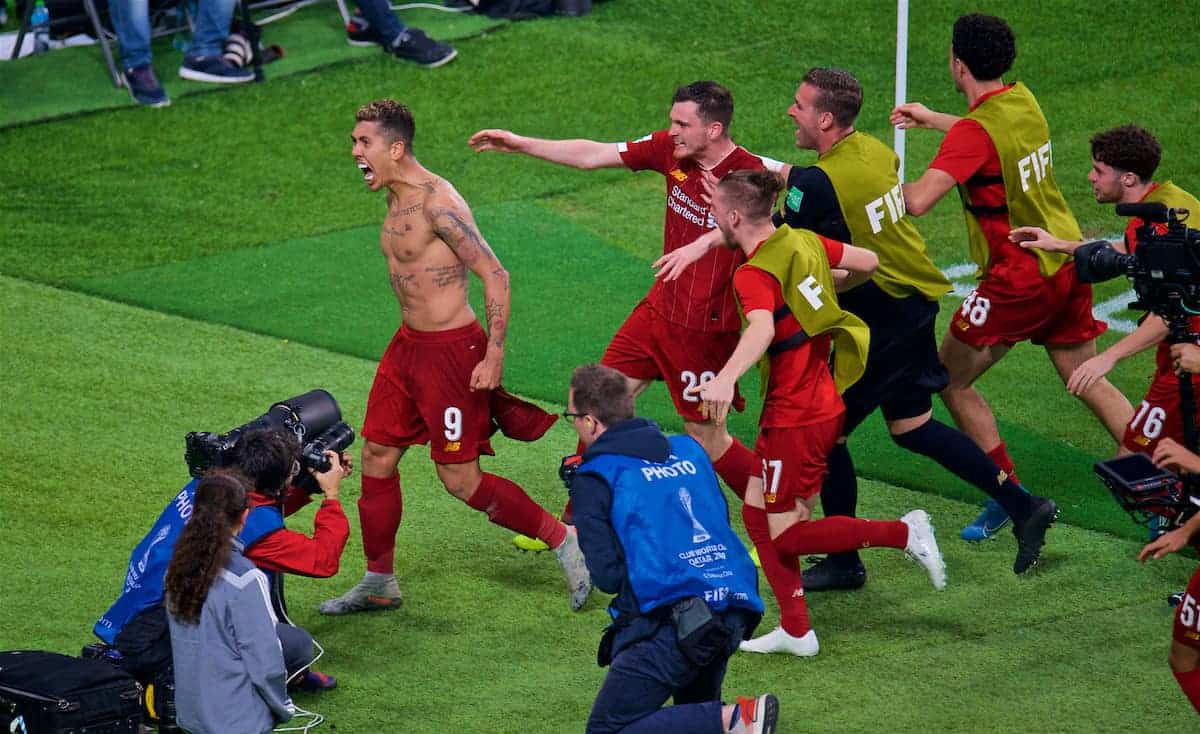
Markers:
point(1010, 307)
point(1187, 615)
point(794, 461)
point(421, 395)
point(1159, 416)
point(647, 347)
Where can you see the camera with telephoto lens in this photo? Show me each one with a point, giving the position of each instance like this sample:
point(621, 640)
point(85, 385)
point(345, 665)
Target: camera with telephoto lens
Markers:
point(1165, 273)
point(314, 418)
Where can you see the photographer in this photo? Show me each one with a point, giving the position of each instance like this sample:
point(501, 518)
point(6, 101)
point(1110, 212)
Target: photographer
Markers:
point(1124, 160)
point(1184, 658)
point(136, 624)
point(654, 528)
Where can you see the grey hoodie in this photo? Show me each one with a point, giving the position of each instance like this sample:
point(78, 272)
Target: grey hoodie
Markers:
point(229, 672)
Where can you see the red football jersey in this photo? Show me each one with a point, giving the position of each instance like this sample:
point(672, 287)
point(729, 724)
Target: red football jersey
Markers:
point(967, 152)
point(800, 389)
point(700, 298)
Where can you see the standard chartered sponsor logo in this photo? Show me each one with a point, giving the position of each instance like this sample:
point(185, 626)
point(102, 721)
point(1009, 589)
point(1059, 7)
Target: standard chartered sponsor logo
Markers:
point(686, 207)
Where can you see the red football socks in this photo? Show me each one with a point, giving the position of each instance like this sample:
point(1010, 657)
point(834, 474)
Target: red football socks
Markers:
point(736, 466)
point(1003, 461)
point(782, 572)
point(507, 505)
point(1190, 683)
point(380, 507)
point(839, 534)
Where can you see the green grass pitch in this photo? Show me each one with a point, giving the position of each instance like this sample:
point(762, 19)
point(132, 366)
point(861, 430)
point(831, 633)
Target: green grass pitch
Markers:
point(163, 271)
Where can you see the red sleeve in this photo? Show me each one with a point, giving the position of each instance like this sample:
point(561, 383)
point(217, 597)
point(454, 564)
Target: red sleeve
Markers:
point(834, 250)
point(291, 552)
point(295, 499)
point(652, 152)
point(757, 289)
point(966, 150)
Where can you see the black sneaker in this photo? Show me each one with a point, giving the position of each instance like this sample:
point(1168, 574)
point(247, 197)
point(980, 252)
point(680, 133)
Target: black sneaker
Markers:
point(215, 70)
point(1031, 533)
point(143, 86)
point(413, 45)
point(831, 574)
point(359, 32)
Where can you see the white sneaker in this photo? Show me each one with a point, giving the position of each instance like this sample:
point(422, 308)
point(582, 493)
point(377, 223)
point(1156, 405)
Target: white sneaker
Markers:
point(579, 581)
point(778, 641)
point(756, 715)
point(923, 548)
point(368, 595)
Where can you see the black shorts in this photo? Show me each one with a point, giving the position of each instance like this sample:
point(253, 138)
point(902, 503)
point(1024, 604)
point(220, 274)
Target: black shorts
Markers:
point(903, 369)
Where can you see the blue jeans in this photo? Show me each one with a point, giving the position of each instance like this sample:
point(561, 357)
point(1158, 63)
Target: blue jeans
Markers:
point(131, 21)
point(641, 679)
point(382, 19)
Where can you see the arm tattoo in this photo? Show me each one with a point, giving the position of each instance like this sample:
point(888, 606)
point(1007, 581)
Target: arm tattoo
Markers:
point(497, 319)
point(461, 236)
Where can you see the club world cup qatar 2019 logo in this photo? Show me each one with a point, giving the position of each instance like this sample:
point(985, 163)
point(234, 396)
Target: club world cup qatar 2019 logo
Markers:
point(699, 534)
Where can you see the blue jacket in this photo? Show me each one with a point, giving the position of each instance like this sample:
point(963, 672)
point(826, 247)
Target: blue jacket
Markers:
point(592, 503)
point(148, 563)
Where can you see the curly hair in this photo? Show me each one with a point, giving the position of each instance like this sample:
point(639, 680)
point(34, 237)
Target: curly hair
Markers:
point(205, 544)
point(839, 93)
point(267, 456)
point(985, 44)
point(715, 102)
point(752, 192)
point(395, 118)
point(1129, 148)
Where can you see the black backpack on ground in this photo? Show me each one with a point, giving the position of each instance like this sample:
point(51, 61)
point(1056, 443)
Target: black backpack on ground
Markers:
point(48, 693)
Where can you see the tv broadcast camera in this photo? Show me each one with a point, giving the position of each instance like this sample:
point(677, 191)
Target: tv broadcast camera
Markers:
point(314, 418)
point(1165, 272)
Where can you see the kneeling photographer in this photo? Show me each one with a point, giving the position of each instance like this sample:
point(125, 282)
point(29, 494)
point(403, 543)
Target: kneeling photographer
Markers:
point(654, 528)
point(283, 475)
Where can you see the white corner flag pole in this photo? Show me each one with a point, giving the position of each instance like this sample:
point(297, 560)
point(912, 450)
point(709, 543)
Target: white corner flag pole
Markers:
point(901, 76)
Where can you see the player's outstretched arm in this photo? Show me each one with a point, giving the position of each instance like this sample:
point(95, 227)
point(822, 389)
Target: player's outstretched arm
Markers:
point(1171, 542)
point(717, 393)
point(1151, 331)
point(922, 194)
point(577, 153)
point(856, 267)
point(671, 266)
point(453, 222)
point(915, 114)
point(1039, 239)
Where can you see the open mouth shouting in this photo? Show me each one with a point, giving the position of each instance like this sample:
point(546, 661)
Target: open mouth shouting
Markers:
point(367, 173)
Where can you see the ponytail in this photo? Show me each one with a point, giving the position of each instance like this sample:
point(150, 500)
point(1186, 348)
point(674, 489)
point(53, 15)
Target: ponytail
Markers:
point(205, 544)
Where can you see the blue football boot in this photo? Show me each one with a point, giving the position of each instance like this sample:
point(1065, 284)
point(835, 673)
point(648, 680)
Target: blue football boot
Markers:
point(989, 522)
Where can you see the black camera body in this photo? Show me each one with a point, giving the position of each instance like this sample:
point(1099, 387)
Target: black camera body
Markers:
point(314, 418)
point(1165, 272)
point(1165, 269)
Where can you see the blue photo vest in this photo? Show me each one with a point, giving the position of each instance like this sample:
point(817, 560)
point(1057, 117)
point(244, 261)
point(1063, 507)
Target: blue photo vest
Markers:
point(673, 523)
point(148, 563)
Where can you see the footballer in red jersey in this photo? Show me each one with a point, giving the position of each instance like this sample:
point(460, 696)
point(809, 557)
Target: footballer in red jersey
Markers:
point(683, 331)
point(786, 291)
point(999, 155)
